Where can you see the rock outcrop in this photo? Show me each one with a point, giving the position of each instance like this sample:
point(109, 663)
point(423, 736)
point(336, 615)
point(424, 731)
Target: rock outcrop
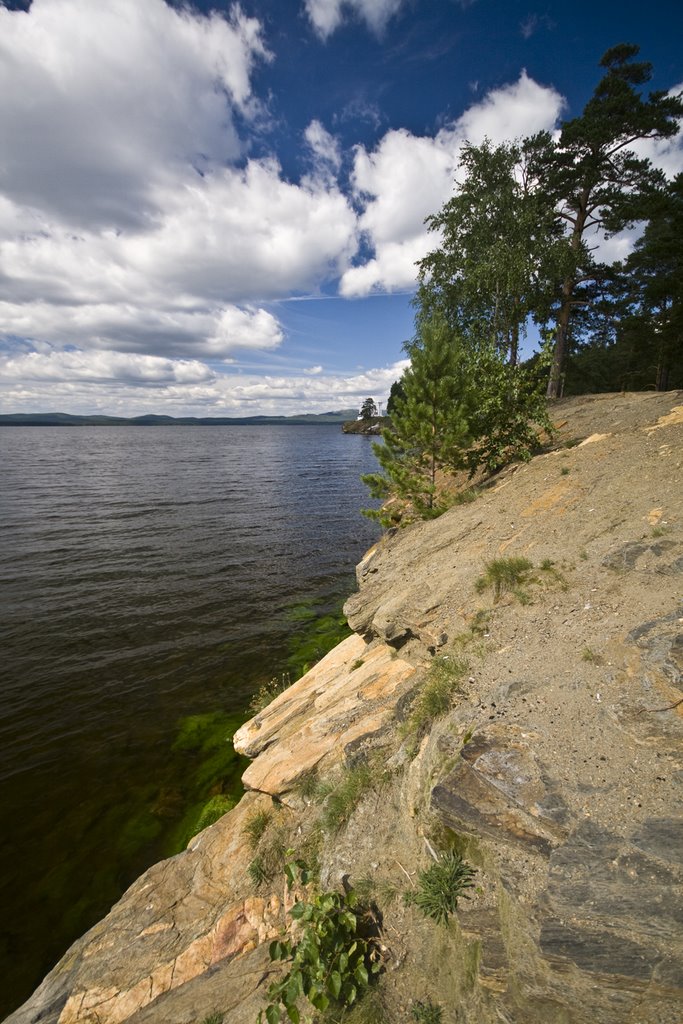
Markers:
point(558, 772)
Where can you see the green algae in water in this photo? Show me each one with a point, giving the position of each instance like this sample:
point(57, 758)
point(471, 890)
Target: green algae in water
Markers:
point(212, 780)
point(321, 632)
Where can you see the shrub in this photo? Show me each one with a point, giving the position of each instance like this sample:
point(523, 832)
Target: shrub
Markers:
point(440, 887)
point(332, 963)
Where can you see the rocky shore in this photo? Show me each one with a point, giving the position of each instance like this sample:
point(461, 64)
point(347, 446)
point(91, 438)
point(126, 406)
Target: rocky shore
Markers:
point(557, 771)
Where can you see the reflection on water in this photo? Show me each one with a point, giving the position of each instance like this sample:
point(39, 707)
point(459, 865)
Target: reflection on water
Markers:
point(146, 574)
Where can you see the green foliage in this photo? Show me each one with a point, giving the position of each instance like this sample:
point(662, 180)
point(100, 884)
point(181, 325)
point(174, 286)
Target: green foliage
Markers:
point(597, 181)
point(429, 428)
point(396, 394)
point(332, 963)
point(426, 1012)
point(440, 887)
point(501, 249)
point(268, 838)
point(368, 409)
point(213, 1018)
point(255, 827)
point(436, 696)
point(506, 574)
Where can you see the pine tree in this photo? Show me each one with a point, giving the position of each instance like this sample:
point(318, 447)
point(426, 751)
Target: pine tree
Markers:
point(429, 424)
point(368, 409)
point(596, 178)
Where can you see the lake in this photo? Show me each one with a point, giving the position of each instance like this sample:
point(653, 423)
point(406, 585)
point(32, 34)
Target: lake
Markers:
point(151, 580)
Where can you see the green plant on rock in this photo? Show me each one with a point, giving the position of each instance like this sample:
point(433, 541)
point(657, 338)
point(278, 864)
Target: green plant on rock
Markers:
point(440, 887)
point(436, 697)
point(344, 797)
point(268, 839)
point(426, 1012)
point(506, 575)
point(331, 965)
point(267, 693)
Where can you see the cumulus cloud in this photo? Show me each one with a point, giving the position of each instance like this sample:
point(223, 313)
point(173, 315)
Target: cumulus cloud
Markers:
point(99, 103)
point(129, 385)
point(408, 177)
point(124, 222)
point(103, 368)
point(328, 15)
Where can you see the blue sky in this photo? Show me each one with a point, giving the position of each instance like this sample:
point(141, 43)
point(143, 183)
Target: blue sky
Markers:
point(216, 209)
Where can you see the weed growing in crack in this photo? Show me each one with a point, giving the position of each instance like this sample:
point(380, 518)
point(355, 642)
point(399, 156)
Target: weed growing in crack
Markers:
point(436, 697)
point(268, 840)
point(267, 693)
point(345, 796)
point(255, 826)
point(440, 887)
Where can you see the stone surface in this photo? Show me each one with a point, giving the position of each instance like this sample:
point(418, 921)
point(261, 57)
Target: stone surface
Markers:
point(348, 697)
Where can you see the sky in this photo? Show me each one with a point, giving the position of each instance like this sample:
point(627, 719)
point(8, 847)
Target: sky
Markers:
point(215, 209)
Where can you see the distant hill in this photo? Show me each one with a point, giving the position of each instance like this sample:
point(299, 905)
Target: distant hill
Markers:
point(62, 419)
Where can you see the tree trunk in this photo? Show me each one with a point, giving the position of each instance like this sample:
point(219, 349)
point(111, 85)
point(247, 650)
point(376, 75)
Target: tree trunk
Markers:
point(556, 381)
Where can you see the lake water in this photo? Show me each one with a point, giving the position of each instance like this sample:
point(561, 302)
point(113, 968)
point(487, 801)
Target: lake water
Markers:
point(146, 575)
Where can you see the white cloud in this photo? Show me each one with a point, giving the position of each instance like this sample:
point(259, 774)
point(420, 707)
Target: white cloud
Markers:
point(100, 103)
point(408, 177)
point(122, 223)
point(105, 367)
point(325, 150)
point(130, 385)
point(328, 15)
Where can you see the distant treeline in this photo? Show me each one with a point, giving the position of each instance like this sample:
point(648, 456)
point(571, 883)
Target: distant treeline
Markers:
point(62, 419)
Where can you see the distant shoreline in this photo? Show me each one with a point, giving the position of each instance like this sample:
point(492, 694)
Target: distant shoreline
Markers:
point(59, 419)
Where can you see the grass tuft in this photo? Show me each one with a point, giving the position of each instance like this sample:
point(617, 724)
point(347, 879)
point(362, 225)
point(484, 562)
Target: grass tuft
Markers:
point(267, 693)
point(436, 697)
point(426, 1012)
point(440, 887)
point(506, 574)
point(343, 799)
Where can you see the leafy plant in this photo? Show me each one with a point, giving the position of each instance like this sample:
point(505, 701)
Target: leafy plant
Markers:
point(426, 1012)
point(333, 961)
point(440, 887)
point(506, 574)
